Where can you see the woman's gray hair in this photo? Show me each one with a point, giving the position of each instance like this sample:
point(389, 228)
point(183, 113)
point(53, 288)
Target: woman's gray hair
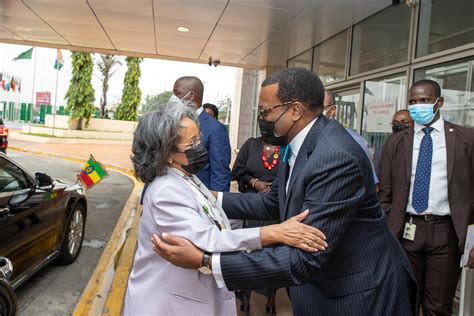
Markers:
point(157, 135)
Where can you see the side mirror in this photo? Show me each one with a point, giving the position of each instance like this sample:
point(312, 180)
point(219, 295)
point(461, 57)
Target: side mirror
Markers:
point(44, 181)
point(6, 267)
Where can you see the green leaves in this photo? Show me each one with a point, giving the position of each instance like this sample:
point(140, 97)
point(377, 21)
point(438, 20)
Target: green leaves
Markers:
point(81, 95)
point(131, 95)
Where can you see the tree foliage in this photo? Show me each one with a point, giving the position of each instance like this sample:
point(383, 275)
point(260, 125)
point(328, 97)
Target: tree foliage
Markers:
point(131, 95)
point(152, 100)
point(81, 95)
point(105, 64)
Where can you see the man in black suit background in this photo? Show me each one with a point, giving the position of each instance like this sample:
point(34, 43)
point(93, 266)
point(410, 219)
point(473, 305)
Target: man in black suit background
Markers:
point(364, 270)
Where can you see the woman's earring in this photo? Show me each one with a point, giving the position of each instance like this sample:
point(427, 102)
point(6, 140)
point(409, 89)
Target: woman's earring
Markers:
point(170, 162)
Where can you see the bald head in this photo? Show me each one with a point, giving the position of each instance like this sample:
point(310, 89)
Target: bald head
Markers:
point(190, 88)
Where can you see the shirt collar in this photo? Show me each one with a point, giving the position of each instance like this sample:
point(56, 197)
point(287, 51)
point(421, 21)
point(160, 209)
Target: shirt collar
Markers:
point(297, 142)
point(199, 111)
point(437, 126)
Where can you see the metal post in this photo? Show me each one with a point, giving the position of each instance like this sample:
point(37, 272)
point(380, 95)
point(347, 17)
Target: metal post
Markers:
point(55, 98)
point(33, 88)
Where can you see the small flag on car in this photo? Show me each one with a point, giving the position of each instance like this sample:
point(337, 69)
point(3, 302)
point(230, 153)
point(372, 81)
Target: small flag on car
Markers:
point(92, 173)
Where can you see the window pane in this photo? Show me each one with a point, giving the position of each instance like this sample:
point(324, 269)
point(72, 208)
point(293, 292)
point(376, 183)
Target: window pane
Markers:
point(302, 60)
point(329, 58)
point(11, 177)
point(453, 79)
point(444, 24)
point(381, 40)
point(382, 98)
point(347, 103)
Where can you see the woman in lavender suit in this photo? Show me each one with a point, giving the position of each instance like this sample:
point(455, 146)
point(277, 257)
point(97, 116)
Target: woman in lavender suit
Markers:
point(166, 154)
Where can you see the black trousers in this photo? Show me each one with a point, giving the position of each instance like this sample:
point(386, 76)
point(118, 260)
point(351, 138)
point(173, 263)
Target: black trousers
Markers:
point(435, 259)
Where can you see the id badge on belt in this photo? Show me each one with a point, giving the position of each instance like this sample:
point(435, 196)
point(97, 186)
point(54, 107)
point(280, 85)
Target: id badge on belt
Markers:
point(409, 231)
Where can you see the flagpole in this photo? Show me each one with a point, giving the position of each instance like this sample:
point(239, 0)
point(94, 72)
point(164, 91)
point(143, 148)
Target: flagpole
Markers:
point(55, 94)
point(33, 88)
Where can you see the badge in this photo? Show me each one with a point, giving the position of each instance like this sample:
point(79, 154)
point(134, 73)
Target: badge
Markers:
point(409, 232)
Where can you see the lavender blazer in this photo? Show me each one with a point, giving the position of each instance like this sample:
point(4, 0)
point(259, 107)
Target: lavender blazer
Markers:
point(155, 286)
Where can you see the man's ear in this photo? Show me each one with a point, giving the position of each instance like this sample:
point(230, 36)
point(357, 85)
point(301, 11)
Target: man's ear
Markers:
point(440, 102)
point(297, 110)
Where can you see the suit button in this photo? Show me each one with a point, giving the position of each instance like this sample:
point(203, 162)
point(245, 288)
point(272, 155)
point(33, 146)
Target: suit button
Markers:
point(406, 188)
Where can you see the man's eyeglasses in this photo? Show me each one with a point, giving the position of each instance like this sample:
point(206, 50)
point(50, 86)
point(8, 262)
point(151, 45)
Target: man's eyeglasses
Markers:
point(264, 113)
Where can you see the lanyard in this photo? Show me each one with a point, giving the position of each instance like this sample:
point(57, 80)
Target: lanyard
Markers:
point(190, 181)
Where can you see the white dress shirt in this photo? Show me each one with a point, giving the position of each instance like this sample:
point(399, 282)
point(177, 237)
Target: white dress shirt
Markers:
point(295, 145)
point(438, 203)
point(199, 110)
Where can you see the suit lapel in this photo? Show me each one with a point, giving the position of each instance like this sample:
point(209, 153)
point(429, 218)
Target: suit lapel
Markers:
point(306, 149)
point(282, 177)
point(450, 134)
point(408, 142)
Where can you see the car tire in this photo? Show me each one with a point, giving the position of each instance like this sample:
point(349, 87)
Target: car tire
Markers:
point(8, 302)
point(74, 236)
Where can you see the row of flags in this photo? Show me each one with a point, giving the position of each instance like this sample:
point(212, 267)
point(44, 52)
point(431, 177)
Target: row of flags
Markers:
point(27, 54)
point(10, 82)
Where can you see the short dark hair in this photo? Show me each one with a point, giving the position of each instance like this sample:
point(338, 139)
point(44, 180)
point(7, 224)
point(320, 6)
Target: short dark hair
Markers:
point(212, 107)
point(432, 83)
point(298, 84)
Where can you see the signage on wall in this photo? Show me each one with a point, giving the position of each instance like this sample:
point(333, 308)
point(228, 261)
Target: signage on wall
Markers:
point(43, 98)
point(379, 116)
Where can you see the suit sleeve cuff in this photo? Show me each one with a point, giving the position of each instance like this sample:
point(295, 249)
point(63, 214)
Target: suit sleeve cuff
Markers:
point(216, 270)
point(220, 196)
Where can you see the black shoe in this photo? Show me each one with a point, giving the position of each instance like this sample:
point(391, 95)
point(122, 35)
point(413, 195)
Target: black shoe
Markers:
point(271, 310)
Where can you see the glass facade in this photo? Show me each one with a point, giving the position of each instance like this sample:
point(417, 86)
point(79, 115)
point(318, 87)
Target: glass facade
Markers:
point(382, 98)
point(329, 58)
point(302, 60)
point(456, 81)
point(444, 24)
point(381, 40)
point(347, 106)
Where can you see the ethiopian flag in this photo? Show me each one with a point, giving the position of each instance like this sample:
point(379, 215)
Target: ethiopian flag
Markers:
point(59, 62)
point(92, 173)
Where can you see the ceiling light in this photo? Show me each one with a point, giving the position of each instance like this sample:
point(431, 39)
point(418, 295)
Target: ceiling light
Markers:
point(183, 29)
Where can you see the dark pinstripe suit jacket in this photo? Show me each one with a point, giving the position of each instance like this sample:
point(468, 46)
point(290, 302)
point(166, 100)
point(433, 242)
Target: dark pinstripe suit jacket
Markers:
point(363, 272)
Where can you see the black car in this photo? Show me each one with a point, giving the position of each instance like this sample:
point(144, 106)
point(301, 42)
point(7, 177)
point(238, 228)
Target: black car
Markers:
point(8, 303)
point(41, 219)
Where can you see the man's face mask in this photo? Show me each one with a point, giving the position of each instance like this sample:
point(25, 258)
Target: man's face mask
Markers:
point(326, 110)
point(397, 127)
point(174, 98)
point(267, 128)
point(423, 113)
point(197, 158)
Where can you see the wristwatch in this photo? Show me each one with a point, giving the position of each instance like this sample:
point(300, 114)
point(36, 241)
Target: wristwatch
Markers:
point(205, 267)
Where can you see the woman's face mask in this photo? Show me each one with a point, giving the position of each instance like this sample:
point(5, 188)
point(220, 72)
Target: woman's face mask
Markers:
point(197, 158)
point(423, 113)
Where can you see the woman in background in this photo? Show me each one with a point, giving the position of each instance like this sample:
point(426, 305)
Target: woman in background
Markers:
point(255, 168)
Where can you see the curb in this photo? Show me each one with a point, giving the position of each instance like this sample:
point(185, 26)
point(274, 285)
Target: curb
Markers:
point(106, 288)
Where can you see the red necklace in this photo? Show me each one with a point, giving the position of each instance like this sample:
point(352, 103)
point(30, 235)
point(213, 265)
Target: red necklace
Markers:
point(266, 163)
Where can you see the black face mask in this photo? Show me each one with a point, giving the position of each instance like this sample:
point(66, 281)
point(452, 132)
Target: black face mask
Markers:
point(197, 158)
point(399, 127)
point(267, 130)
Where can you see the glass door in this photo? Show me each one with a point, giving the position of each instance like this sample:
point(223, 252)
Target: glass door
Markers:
point(348, 107)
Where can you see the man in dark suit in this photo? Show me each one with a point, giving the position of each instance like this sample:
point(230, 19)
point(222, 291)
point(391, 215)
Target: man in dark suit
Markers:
point(400, 121)
point(426, 190)
point(216, 175)
point(364, 270)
